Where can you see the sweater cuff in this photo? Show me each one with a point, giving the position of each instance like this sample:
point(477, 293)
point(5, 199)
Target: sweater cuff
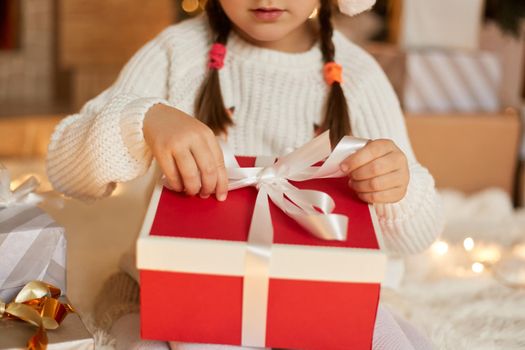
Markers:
point(131, 124)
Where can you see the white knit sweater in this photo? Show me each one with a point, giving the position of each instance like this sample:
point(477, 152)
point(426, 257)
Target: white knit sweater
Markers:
point(278, 97)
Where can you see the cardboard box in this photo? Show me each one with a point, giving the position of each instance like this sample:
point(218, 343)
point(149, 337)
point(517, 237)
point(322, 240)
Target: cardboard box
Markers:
point(321, 294)
point(468, 152)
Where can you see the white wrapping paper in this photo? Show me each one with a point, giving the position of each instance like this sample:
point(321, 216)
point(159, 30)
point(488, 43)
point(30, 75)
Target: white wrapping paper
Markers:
point(452, 81)
point(443, 24)
point(32, 247)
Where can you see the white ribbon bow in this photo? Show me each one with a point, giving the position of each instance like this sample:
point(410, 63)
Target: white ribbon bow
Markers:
point(313, 210)
point(22, 195)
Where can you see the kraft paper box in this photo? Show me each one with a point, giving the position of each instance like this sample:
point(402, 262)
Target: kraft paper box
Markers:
point(32, 247)
point(71, 335)
point(321, 294)
point(457, 163)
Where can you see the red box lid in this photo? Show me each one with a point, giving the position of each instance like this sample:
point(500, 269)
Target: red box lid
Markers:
point(182, 216)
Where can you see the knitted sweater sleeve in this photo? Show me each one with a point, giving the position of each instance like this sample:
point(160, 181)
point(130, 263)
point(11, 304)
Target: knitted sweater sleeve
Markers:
point(103, 144)
point(412, 224)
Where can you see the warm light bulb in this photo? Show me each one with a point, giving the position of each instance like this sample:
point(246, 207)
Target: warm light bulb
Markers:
point(440, 247)
point(519, 250)
point(468, 244)
point(190, 5)
point(478, 267)
point(488, 253)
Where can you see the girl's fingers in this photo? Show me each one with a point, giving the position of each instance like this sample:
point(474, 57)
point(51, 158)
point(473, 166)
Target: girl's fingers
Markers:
point(189, 171)
point(167, 165)
point(207, 167)
point(221, 191)
point(379, 183)
point(377, 167)
point(392, 195)
point(372, 150)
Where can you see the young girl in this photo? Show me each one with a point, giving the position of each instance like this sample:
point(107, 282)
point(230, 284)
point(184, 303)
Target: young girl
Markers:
point(264, 77)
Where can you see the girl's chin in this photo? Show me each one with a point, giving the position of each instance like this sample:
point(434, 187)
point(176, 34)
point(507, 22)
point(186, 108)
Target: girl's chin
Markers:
point(266, 36)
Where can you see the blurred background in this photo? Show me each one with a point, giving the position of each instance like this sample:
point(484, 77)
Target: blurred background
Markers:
point(457, 67)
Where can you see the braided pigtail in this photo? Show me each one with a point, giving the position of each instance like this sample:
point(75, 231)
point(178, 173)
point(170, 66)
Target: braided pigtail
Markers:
point(209, 106)
point(337, 116)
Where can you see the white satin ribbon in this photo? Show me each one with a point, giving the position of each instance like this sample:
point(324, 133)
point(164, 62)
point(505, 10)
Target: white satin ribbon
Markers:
point(22, 195)
point(313, 210)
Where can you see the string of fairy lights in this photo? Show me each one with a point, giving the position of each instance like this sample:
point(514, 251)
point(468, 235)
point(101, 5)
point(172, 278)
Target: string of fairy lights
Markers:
point(471, 257)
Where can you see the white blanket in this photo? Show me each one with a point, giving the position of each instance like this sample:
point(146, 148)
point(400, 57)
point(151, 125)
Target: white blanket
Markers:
point(457, 308)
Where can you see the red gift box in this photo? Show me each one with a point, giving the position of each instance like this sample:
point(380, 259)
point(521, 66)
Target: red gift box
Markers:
point(322, 294)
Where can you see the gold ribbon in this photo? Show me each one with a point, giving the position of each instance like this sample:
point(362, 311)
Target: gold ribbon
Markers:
point(313, 210)
point(37, 303)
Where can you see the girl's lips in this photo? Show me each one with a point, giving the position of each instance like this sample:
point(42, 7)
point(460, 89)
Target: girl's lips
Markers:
point(267, 14)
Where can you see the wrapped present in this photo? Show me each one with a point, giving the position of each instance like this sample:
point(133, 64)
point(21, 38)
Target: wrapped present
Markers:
point(443, 24)
point(32, 244)
point(301, 271)
point(39, 319)
point(511, 51)
point(452, 81)
point(393, 61)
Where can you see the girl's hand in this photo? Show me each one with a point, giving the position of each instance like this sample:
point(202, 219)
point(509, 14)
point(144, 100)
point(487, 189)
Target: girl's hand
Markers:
point(378, 172)
point(187, 151)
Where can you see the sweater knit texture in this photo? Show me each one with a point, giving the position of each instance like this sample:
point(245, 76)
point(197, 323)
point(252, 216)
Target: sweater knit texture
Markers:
point(277, 99)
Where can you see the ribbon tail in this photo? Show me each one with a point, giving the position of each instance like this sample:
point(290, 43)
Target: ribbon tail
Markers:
point(329, 227)
point(300, 206)
point(310, 199)
point(256, 277)
point(38, 341)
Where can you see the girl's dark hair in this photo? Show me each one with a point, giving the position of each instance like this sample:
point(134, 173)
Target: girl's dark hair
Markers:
point(210, 107)
point(336, 117)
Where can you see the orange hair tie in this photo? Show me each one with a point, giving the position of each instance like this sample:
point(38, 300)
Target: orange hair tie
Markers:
point(333, 72)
